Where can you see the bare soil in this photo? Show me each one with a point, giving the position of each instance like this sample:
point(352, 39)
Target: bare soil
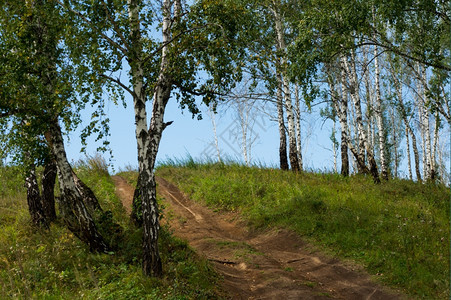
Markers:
point(275, 264)
point(125, 192)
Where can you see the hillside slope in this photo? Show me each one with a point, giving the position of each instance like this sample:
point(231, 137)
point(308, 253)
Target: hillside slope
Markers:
point(54, 264)
point(397, 230)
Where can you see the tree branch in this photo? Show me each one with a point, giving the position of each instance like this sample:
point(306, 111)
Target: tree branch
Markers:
point(116, 28)
point(389, 46)
point(176, 37)
point(118, 82)
point(109, 40)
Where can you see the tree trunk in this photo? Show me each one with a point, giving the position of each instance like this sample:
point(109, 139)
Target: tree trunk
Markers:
point(151, 258)
point(282, 133)
point(354, 92)
point(213, 123)
point(379, 117)
point(90, 200)
point(369, 101)
point(344, 154)
point(72, 207)
point(341, 107)
point(243, 110)
point(395, 142)
point(412, 134)
point(148, 139)
point(434, 146)
point(48, 190)
point(298, 126)
point(416, 154)
point(34, 200)
point(409, 159)
point(292, 150)
point(136, 216)
point(334, 145)
point(280, 45)
point(403, 114)
point(426, 127)
point(352, 89)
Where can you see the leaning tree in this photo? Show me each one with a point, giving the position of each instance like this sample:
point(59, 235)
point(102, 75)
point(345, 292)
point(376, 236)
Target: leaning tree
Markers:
point(38, 91)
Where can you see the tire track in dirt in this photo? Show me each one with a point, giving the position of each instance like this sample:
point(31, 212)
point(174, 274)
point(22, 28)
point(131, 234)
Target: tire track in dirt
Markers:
point(269, 265)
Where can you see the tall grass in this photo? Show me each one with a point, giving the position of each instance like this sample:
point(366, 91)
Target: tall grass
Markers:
point(55, 265)
point(399, 230)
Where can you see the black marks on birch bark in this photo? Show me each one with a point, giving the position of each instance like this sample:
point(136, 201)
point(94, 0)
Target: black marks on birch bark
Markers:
point(34, 200)
point(151, 258)
point(48, 190)
point(72, 207)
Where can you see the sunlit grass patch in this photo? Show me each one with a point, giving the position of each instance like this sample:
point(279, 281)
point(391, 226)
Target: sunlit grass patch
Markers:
point(399, 230)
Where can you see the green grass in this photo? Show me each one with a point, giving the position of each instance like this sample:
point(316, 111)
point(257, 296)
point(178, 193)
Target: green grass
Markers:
point(399, 230)
point(56, 265)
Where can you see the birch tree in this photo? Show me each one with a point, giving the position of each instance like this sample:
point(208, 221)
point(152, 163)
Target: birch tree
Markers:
point(193, 38)
point(36, 94)
point(281, 68)
point(352, 87)
point(379, 116)
point(297, 110)
point(283, 158)
point(340, 104)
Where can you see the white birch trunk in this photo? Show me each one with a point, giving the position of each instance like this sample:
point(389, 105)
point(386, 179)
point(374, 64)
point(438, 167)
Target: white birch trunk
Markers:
point(213, 123)
point(243, 116)
point(148, 139)
point(298, 126)
point(410, 131)
point(395, 143)
point(34, 199)
point(293, 155)
point(72, 207)
point(409, 159)
point(369, 101)
point(343, 117)
point(416, 154)
point(341, 107)
point(379, 116)
point(353, 90)
point(427, 128)
point(281, 124)
point(435, 145)
point(334, 149)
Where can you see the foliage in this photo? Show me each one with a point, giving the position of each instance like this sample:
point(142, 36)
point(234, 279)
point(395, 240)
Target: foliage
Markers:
point(56, 265)
point(39, 82)
point(331, 27)
point(398, 230)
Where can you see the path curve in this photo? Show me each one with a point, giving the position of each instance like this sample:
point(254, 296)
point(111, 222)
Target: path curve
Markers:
point(270, 265)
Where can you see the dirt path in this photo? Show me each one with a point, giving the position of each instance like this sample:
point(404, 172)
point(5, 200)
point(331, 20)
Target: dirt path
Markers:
point(270, 265)
point(124, 192)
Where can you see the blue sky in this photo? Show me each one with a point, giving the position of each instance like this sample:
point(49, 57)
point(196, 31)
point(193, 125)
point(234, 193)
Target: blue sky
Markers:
point(191, 136)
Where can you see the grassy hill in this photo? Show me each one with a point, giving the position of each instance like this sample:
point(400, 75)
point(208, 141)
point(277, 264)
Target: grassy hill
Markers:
point(398, 230)
point(56, 265)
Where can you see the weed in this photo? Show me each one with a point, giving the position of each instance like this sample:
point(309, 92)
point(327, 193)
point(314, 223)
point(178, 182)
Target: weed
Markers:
point(310, 284)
